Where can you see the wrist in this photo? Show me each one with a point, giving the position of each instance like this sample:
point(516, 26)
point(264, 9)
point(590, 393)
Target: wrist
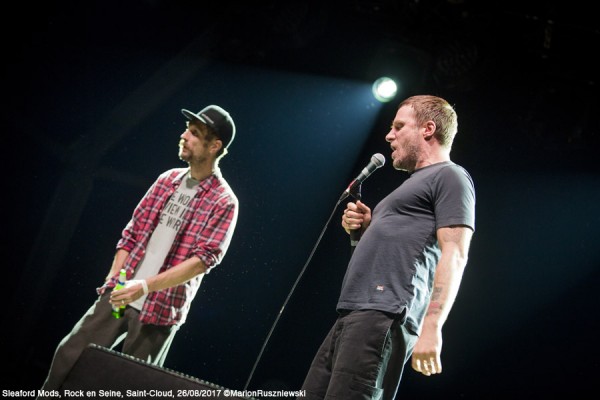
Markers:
point(144, 286)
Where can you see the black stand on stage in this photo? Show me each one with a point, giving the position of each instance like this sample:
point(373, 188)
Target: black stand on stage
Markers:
point(377, 160)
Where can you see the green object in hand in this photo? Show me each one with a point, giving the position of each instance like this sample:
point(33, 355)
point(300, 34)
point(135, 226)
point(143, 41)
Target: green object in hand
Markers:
point(119, 311)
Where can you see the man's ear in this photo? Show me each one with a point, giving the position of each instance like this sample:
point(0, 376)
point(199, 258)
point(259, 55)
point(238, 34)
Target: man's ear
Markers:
point(216, 146)
point(429, 130)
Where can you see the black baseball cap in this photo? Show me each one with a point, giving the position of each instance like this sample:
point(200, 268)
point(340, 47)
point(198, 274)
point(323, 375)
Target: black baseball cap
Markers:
point(218, 119)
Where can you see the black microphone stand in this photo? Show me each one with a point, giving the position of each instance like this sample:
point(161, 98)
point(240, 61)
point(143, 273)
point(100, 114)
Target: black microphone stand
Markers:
point(289, 296)
point(354, 191)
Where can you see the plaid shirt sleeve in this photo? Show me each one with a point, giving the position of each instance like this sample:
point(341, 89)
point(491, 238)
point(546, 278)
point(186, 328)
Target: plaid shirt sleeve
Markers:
point(214, 239)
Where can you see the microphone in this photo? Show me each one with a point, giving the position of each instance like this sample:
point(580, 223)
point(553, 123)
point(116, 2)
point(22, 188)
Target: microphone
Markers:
point(377, 160)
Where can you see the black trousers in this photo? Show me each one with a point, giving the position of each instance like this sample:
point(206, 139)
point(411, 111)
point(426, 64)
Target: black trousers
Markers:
point(362, 357)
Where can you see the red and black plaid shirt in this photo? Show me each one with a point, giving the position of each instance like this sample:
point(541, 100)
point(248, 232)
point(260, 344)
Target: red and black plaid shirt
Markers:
point(206, 233)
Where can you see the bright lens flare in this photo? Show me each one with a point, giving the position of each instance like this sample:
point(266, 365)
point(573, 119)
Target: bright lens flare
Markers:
point(384, 89)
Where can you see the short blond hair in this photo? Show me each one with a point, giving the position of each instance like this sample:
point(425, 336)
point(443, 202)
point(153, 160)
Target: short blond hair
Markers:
point(438, 110)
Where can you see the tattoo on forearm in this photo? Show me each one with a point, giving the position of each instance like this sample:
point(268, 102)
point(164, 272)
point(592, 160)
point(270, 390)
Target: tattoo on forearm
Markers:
point(435, 307)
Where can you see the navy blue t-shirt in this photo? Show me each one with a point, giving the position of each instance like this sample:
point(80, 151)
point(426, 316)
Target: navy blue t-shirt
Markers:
point(393, 264)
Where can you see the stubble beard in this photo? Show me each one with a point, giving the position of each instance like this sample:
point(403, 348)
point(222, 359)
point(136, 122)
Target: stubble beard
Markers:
point(408, 162)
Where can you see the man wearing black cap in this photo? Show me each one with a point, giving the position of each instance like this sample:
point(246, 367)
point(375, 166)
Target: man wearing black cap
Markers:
point(179, 231)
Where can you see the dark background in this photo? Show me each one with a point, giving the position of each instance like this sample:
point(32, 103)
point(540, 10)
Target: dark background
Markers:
point(92, 99)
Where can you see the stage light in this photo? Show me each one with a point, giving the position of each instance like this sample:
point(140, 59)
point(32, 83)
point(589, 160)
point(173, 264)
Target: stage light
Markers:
point(384, 89)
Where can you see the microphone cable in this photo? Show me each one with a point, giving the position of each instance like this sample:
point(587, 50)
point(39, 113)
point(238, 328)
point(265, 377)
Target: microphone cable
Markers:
point(260, 354)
